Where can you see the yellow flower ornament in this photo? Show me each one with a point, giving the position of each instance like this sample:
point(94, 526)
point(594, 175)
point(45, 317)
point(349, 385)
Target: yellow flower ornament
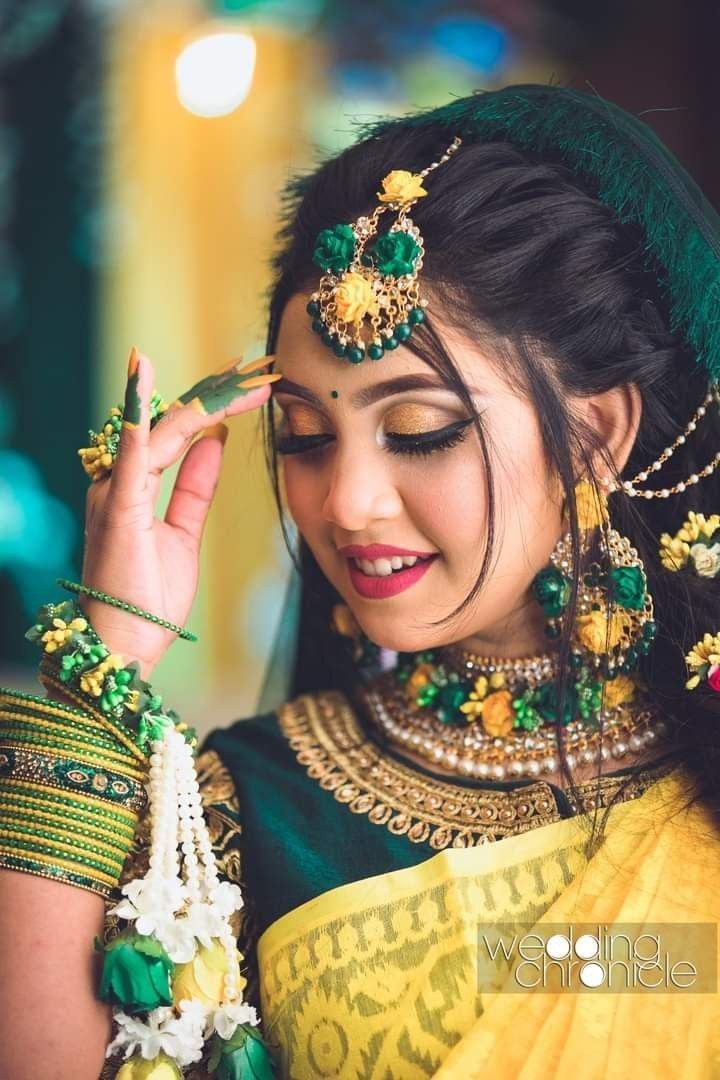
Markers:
point(592, 631)
point(618, 691)
point(401, 186)
point(692, 546)
point(703, 662)
point(62, 633)
point(498, 715)
point(591, 505)
point(355, 298)
point(159, 1068)
point(203, 977)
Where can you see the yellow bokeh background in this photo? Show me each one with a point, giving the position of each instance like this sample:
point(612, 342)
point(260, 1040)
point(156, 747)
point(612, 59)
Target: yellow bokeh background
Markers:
point(194, 206)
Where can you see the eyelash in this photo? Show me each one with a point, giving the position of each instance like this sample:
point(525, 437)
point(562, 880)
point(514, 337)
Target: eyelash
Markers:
point(422, 445)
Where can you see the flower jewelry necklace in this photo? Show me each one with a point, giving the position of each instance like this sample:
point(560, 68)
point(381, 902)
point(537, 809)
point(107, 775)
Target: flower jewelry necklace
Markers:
point(497, 719)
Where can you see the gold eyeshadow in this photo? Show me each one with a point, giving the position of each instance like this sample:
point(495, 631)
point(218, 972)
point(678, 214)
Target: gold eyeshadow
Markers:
point(305, 420)
point(415, 419)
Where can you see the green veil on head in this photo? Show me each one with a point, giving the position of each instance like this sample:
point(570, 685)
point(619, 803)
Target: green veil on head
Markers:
point(622, 162)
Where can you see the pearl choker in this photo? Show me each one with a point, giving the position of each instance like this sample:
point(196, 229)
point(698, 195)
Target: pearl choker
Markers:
point(492, 738)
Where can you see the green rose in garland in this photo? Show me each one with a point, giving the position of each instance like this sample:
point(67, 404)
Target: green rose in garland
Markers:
point(335, 248)
point(395, 254)
point(136, 973)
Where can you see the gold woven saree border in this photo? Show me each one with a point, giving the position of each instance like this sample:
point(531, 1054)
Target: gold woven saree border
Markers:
point(330, 743)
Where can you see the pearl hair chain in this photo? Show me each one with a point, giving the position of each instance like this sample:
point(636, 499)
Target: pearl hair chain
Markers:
point(630, 488)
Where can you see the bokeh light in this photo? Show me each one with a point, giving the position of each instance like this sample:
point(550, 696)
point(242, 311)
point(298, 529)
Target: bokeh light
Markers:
point(214, 73)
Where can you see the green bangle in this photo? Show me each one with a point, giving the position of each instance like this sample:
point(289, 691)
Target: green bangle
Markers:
point(68, 810)
point(105, 598)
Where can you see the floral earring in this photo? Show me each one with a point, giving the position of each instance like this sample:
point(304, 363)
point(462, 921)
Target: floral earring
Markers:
point(365, 653)
point(614, 626)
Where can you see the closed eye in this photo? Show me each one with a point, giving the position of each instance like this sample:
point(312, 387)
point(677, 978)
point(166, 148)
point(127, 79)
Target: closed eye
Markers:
point(423, 444)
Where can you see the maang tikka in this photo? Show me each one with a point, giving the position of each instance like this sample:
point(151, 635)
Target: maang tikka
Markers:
point(368, 300)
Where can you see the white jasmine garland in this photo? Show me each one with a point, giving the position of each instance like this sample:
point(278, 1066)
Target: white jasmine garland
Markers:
point(183, 904)
point(150, 902)
point(228, 1018)
point(180, 1037)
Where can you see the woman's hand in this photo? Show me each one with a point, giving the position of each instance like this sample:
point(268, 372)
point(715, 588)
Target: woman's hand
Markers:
point(132, 554)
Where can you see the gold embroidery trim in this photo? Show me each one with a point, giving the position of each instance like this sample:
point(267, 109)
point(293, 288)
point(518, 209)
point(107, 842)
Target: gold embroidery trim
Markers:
point(329, 741)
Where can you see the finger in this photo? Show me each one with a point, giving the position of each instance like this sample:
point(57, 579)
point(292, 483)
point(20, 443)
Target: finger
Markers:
point(128, 484)
point(227, 394)
point(209, 394)
point(205, 389)
point(196, 483)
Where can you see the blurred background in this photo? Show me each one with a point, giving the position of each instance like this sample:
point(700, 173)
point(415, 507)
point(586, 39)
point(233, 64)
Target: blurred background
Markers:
point(144, 145)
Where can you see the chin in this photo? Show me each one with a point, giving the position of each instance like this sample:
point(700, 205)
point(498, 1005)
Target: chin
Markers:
point(394, 634)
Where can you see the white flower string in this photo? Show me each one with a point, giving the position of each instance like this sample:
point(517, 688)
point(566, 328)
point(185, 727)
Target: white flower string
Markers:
point(176, 912)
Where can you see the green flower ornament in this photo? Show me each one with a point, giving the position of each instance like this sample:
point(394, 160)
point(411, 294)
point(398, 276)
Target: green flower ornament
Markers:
point(335, 248)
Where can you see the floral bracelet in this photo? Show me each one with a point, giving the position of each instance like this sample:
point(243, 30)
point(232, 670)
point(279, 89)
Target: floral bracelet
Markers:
point(176, 920)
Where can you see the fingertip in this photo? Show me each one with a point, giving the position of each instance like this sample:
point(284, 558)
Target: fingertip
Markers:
point(217, 431)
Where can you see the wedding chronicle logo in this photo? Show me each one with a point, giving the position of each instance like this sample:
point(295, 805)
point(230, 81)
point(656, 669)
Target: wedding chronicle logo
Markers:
point(600, 958)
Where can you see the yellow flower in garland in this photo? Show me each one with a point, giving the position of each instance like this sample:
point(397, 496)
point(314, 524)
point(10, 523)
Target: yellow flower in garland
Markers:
point(355, 298)
point(618, 691)
point(473, 707)
point(401, 186)
point(92, 681)
point(62, 634)
point(592, 631)
point(591, 505)
point(698, 525)
point(498, 715)
point(159, 1068)
point(705, 653)
point(674, 553)
point(203, 978)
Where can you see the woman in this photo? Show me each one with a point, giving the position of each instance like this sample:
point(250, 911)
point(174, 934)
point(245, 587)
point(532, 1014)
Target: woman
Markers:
point(492, 324)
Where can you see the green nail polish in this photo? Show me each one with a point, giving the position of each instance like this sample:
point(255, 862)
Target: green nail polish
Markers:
point(215, 398)
point(132, 411)
point(206, 390)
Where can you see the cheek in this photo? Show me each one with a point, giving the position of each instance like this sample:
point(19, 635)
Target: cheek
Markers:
point(303, 494)
point(447, 501)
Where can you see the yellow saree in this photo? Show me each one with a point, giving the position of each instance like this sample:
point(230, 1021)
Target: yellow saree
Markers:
point(379, 978)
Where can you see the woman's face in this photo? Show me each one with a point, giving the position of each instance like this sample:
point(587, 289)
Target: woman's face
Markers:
point(365, 484)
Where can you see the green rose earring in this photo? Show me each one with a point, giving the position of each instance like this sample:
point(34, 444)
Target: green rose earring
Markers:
point(614, 625)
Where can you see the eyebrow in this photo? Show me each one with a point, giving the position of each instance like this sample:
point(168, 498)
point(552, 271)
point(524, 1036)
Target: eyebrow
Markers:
point(367, 395)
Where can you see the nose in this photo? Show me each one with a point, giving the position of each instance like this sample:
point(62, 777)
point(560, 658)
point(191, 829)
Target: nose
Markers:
point(362, 490)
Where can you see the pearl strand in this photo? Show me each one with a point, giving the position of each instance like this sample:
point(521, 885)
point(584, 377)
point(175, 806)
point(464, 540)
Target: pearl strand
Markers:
point(162, 801)
point(180, 841)
point(630, 488)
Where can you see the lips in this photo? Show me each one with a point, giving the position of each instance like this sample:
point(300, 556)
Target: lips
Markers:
point(381, 587)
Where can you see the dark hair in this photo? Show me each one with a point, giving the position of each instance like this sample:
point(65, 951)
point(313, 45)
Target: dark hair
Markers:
point(520, 252)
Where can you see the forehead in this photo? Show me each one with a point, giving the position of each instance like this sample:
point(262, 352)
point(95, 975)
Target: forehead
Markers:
point(301, 356)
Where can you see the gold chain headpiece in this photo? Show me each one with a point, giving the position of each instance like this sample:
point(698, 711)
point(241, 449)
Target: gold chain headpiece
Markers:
point(368, 298)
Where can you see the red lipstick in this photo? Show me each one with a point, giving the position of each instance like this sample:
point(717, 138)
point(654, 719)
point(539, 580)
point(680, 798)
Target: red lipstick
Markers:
point(379, 588)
